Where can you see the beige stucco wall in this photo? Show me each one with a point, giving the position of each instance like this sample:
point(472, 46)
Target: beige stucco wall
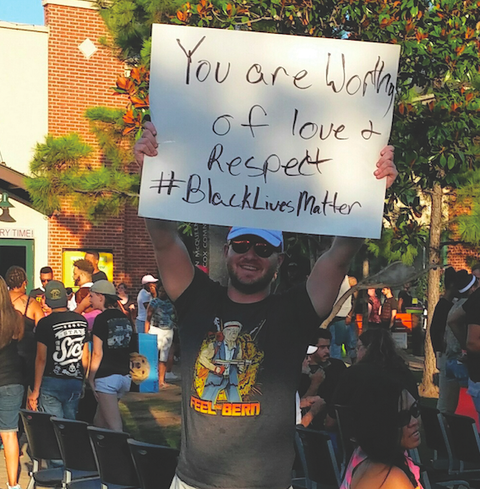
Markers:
point(23, 121)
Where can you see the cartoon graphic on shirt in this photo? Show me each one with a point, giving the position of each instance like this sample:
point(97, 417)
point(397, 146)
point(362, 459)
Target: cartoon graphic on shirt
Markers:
point(119, 333)
point(226, 372)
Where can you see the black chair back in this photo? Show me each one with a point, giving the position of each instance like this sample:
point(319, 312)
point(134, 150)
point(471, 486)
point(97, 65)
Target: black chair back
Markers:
point(74, 443)
point(115, 464)
point(155, 464)
point(345, 430)
point(463, 437)
point(433, 431)
point(322, 465)
point(40, 435)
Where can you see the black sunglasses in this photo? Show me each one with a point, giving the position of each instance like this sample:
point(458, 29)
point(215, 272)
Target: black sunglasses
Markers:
point(405, 415)
point(261, 248)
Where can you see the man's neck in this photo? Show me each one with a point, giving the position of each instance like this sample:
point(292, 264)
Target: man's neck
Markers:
point(60, 309)
point(240, 297)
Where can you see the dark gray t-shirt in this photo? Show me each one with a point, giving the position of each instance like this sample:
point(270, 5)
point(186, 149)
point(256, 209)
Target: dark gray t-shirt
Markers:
point(241, 365)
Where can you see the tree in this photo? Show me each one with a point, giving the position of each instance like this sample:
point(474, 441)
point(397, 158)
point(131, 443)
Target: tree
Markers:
point(438, 119)
point(437, 111)
point(60, 169)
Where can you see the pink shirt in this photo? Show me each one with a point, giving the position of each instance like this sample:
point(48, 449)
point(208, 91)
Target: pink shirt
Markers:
point(359, 456)
point(90, 317)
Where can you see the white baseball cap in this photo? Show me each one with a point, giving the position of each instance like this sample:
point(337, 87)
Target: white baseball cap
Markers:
point(148, 279)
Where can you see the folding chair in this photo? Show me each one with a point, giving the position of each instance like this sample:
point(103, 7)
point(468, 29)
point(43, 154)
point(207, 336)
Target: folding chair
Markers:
point(155, 464)
point(114, 462)
point(77, 454)
point(42, 445)
point(443, 460)
point(299, 470)
point(436, 439)
point(462, 436)
point(438, 482)
point(344, 423)
point(321, 463)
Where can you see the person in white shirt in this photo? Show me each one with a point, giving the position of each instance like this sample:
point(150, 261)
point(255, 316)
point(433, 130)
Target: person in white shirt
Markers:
point(146, 294)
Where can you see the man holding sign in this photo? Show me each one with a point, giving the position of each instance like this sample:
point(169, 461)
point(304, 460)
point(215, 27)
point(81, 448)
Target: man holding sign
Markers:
point(245, 440)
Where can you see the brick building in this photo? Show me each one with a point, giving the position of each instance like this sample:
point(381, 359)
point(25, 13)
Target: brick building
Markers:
point(460, 256)
point(79, 74)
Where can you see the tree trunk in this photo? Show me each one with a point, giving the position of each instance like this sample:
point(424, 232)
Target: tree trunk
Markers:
point(427, 388)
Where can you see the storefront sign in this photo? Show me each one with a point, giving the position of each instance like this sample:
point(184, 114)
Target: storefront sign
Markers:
point(14, 233)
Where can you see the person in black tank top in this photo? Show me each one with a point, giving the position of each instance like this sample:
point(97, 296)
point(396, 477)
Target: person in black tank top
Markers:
point(11, 382)
point(16, 279)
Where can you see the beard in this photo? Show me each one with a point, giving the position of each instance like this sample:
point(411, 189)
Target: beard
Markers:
point(250, 288)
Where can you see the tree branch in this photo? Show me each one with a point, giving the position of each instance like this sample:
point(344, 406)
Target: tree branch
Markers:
point(392, 276)
point(105, 191)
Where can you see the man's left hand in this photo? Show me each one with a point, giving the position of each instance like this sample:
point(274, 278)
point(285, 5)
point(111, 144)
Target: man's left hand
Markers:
point(385, 166)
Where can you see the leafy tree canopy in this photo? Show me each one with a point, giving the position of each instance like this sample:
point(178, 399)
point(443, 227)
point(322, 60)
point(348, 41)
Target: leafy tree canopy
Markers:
point(437, 112)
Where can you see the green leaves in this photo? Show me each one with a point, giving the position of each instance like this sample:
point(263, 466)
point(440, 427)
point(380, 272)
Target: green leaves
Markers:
point(59, 154)
point(62, 172)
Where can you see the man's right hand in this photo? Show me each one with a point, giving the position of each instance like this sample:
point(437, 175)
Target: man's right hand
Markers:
point(318, 377)
point(147, 144)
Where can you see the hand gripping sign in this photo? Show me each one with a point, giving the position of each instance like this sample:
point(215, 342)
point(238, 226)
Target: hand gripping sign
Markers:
point(269, 131)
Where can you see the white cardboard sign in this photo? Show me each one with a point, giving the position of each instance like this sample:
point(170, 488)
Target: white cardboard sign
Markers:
point(268, 131)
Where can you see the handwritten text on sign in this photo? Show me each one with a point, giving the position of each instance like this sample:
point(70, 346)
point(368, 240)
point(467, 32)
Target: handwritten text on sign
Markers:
point(268, 130)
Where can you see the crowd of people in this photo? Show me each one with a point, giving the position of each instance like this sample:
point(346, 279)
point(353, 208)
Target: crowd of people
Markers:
point(68, 354)
point(246, 355)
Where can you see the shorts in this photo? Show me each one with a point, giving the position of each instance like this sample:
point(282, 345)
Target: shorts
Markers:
point(11, 397)
point(164, 341)
point(115, 384)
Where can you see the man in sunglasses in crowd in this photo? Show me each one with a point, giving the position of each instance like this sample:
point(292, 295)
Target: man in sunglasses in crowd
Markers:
point(243, 436)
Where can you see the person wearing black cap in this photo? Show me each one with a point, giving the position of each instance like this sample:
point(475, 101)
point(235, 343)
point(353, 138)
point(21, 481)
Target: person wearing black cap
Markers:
point(243, 439)
point(62, 355)
point(109, 375)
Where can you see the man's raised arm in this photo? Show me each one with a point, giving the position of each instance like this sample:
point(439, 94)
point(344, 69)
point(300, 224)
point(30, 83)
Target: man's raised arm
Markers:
point(326, 277)
point(174, 264)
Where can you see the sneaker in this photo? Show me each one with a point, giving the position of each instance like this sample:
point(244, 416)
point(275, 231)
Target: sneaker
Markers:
point(14, 487)
point(171, 376)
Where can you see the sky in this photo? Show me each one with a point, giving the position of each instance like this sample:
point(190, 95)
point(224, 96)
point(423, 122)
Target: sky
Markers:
point(22, 11)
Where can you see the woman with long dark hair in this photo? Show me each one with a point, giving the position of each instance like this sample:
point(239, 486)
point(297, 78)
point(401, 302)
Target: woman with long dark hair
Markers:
point(11, 382)
point(386, 423)
point(30, 309)
point(376, 354)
